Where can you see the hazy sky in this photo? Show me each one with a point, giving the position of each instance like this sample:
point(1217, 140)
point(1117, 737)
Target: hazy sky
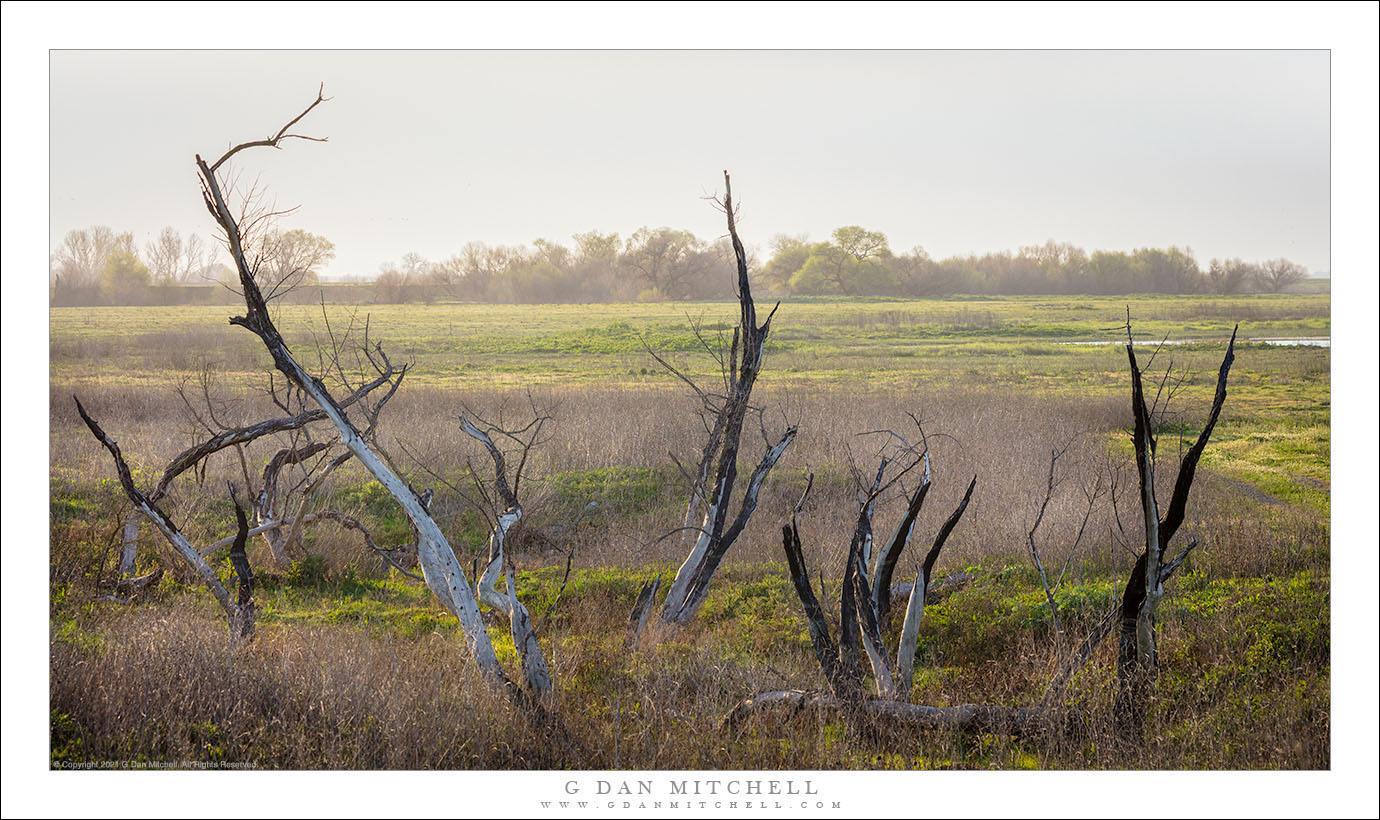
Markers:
point(1225, 152)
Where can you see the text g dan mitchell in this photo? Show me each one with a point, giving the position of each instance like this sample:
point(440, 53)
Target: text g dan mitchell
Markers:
point(694, 788)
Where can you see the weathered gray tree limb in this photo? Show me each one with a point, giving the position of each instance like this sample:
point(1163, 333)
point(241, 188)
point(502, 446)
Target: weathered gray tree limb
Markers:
point(919, 593)
point(442, 570)
point(691, 583)
point(872, 638)
point(272, 142)
point(938, 589)
point(524, 636)
point(165, 525)
point(972, 718)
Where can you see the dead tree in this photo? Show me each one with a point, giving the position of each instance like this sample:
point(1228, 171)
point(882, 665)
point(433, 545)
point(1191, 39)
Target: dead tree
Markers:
point(862, 611)
point(278, 506)
point(239, 561)
point(716, 474)
point(441, 569)
point(239, 612)
point(506, 512)
point(1137, 657)
point(1091, 496)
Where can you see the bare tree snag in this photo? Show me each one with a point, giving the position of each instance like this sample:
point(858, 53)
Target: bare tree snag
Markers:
point(239, 560)
point(973, 718)
point(239, 437)
point(939, 589)
point(919, 595)
point(1080, 657)
point(1136, 654)
point(1135, 615)
point(508, 514)
point(234, 616)
point(642, 607)
point(860, 623)
point(718, 532)
point(443, 572)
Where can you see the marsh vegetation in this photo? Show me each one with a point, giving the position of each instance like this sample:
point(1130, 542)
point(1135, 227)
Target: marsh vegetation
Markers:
point(355, 665)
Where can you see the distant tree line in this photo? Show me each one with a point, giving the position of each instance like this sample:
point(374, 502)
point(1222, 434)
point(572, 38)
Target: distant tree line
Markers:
point(856, 261)
point(669, 264)
point(654, 264)
point(98, 266)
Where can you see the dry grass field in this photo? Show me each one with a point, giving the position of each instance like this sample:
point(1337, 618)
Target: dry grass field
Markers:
point(356, 666)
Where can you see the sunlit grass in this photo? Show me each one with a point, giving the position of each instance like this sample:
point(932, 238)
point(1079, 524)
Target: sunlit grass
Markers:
point(356, 666)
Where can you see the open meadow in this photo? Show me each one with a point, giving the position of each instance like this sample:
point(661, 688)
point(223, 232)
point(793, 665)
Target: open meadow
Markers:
point(356, 665)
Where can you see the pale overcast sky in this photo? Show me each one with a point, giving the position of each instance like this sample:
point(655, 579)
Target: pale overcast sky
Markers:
point(1226, 152)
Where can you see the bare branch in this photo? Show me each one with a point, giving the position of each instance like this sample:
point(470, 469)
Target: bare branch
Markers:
point(1178, 503)
point(272, 142)
point(720, 529)
point(1054, 457)
point(443, 572)
point(162, 522)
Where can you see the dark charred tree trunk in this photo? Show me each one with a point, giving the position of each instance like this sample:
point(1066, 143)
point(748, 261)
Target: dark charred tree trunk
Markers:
point(233, 614)
point(860, 630)
point(239, 560)
point(719, 530)
point(1137, 659)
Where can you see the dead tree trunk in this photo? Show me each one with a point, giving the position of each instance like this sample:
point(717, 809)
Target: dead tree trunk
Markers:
point(269, 504)
point(860, 613)
point(239, 560)
point(860, 632)
point(718, 531)
point(239, 614)
point(443, 572)
point(1136, 653)
point(500, 566)
point(241, 437)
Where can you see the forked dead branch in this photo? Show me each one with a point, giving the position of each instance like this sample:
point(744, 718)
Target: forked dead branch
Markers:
point(716, 474)
point(441, 569)
point(864, 605)
point(1137, 658)
point(239, 438)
